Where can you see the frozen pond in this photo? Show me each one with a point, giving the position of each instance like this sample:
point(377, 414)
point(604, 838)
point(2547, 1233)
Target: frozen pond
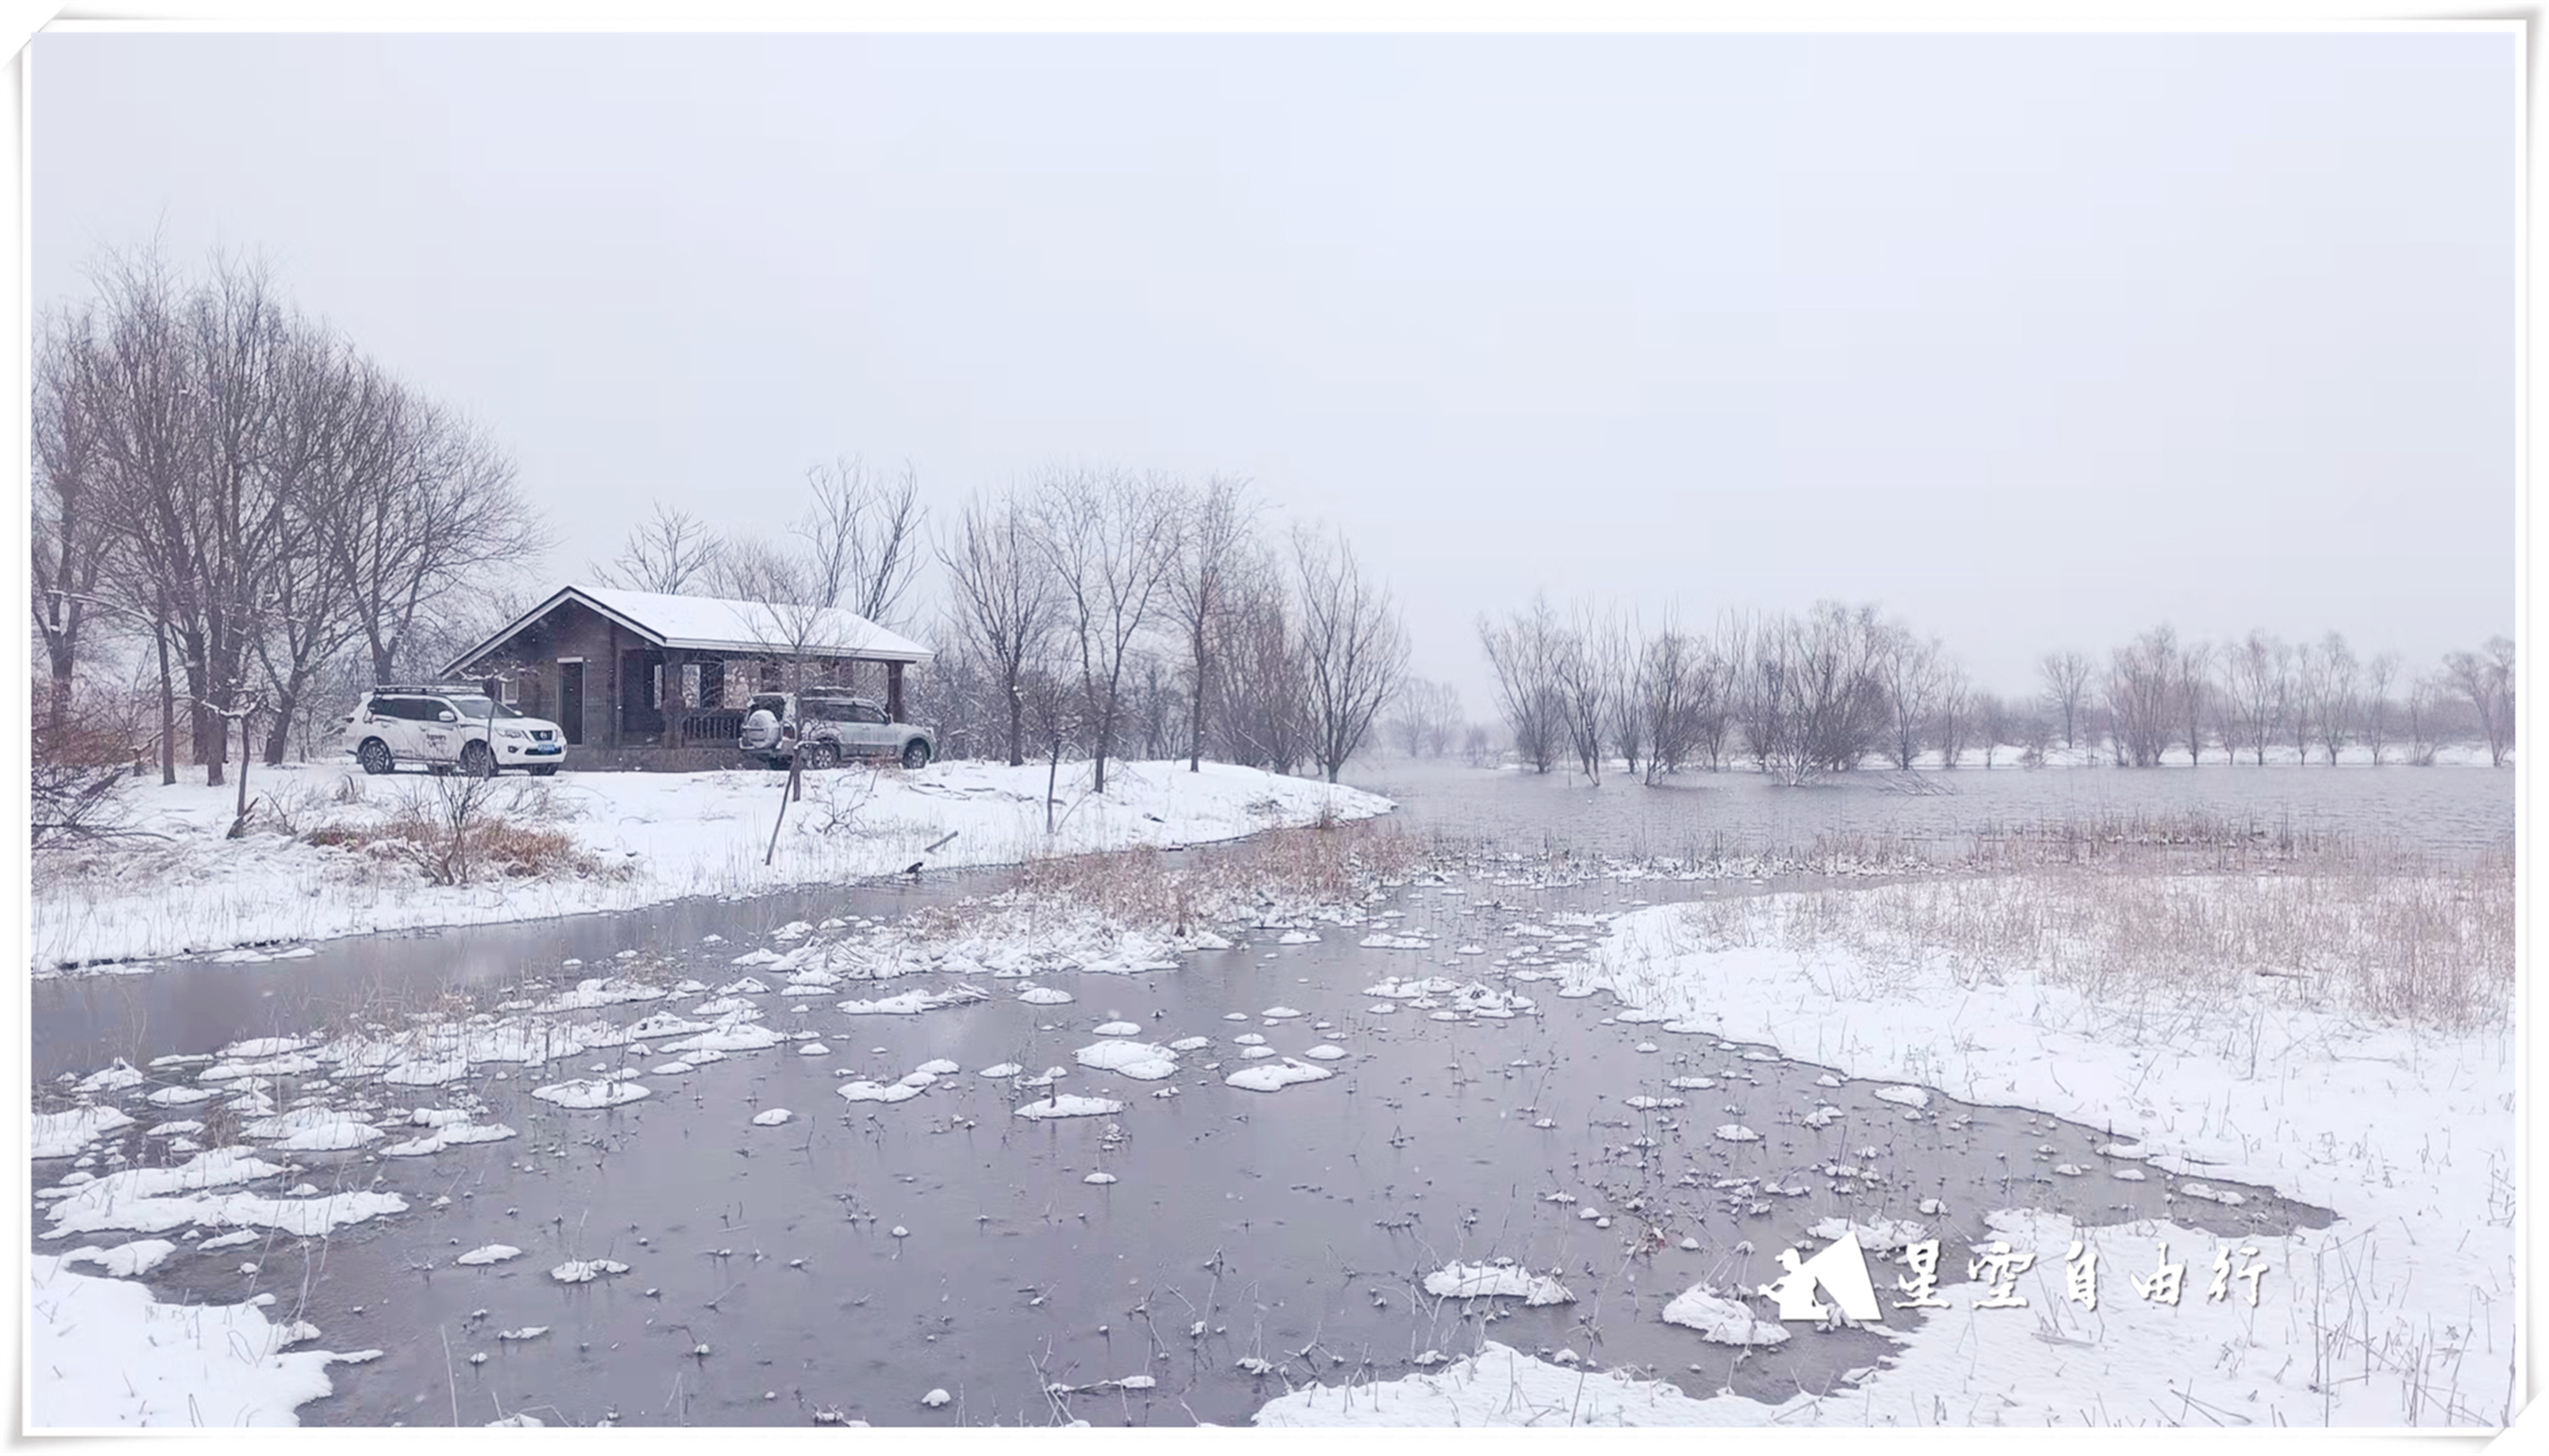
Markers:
point(859, 1254)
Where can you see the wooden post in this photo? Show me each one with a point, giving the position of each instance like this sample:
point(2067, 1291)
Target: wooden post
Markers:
point(238, 821)
point(786, 791)
point(617, 709)
point(675, 701)
point(244, 757)
point(894, 692)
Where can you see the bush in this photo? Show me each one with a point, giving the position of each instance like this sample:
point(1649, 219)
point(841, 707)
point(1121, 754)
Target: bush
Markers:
point(76, 785)
point(453, 829)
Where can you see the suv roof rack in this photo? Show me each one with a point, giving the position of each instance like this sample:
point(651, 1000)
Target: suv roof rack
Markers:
point(431, 689)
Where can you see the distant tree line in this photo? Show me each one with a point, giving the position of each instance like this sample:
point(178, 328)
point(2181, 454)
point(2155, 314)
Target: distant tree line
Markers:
point(1799, 697)
point(2157, 695)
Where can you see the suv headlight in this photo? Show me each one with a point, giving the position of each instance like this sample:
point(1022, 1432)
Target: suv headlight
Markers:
point(512, 733)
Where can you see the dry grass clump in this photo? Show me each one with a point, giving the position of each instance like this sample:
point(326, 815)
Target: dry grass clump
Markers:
point(2187, 839)
point(1147, 888)
point(2401, 942)
point(456, 830)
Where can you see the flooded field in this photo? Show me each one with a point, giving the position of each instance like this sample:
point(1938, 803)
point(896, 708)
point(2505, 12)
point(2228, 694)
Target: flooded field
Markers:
point(1185, 1251)
point(2437, 812)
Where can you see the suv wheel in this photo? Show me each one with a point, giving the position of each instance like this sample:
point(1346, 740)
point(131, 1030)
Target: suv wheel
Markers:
point(916, 755)
point(821, 754)
point(477, 760)
point(375, 757)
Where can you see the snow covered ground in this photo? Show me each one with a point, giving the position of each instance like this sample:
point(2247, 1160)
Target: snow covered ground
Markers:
point(657, 836)
point(107, 1357)
point(2403, 1313)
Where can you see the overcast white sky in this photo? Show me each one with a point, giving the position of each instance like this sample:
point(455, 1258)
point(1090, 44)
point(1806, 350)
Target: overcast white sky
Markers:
point(2034, 341)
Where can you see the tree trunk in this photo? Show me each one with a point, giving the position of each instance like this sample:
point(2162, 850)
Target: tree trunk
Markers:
point(1017, 722)
point(1105, 742)
point(167, 714)
point(278, 739)
point(1052, 776)
point(238, 822)
point(212, 732)
point(1194, 715)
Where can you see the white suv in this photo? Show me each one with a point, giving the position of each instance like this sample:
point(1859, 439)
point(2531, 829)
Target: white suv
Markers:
point(444, 728)
point(829, 724)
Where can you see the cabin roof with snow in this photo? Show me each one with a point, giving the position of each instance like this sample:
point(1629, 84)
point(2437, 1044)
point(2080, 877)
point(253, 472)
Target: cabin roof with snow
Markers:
point(717, 625)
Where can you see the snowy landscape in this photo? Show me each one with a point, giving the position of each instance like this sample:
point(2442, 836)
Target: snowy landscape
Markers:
point(309, 871)
point(903, 747)
point(1765, 1066)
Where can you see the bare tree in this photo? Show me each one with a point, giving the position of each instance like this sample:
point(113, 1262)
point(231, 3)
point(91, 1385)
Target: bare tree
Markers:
point(862, 538)
point(2377, 677)
point(2195, 695)
point(242, 489)
point(2066, 687)
point(1055, 711)
point(785, 625)
point(1583, 685)
point(1753, 685)
point(2336, 706)
point(2486, 679)
point(1110, 542)
point(1158, 704)
point(1819, 702)
point(2297, 695)
point(1713, 704)
point(1213, 537)
point(2255, 680)
point(1426, 716)
point(186, 408)
point(429, 509)
point(1670, 693)
point(1615, 649)
point(1955, 714)
point(1004, 600)
point(1353, 647)
point(1523, 655)
point(2141, 682)
point(69, 529)
point(670, 552)
point(1998, 721)
point(1439, 709)
point(1909, 666)
point(2035, 728)
point(313, 456)
point(1262, 715)
point(2422, 697)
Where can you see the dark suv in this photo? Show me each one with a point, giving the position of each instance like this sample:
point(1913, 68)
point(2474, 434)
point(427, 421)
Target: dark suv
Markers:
point(828, 726)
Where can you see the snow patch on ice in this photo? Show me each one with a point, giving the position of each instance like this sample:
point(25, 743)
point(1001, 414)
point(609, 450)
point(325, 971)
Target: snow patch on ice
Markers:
point(1497, 1281)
